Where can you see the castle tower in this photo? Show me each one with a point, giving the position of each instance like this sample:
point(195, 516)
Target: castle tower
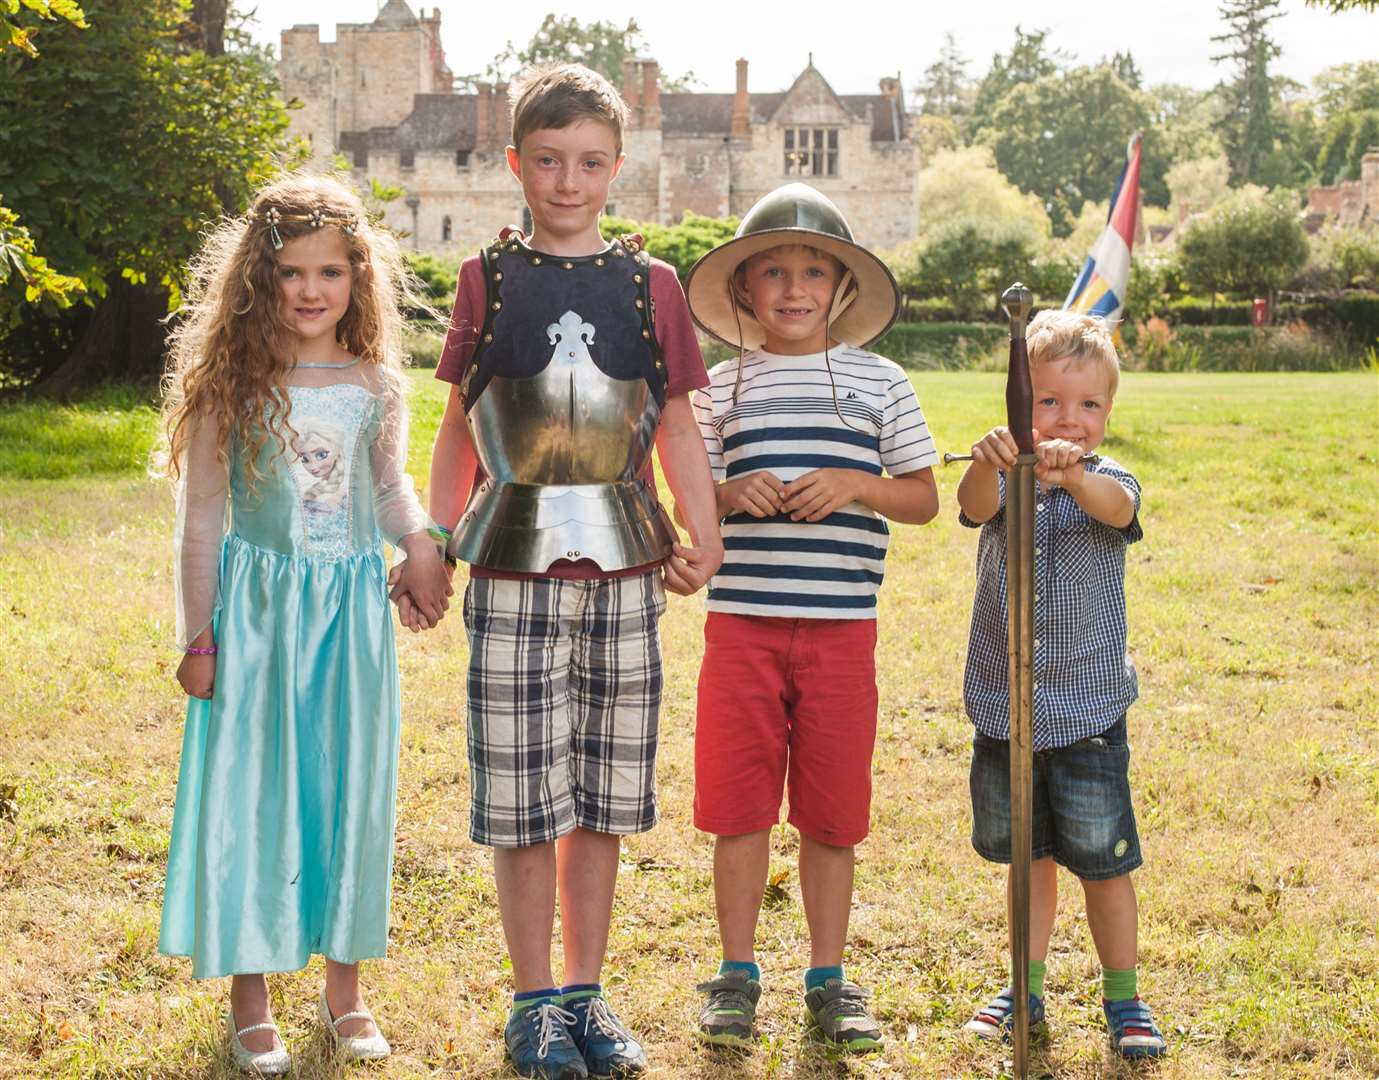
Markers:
point(366, 78)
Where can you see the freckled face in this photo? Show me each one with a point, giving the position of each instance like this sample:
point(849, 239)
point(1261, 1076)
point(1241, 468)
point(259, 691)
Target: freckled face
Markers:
point(790, 290)
point(565, 173)
point(1072, 400)
point(314, 285)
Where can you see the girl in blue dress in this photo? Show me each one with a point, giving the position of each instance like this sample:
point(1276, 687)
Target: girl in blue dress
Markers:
point(286, 422)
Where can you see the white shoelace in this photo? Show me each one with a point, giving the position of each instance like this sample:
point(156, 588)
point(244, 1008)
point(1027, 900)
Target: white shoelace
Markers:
point(600, 1017)
point(554, 1021)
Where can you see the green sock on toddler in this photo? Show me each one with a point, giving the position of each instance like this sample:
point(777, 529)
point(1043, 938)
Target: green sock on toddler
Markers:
point(1119, 985)
point(1037, 968)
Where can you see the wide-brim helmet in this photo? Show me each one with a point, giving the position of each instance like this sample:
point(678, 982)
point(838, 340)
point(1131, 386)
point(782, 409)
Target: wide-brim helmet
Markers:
point(792, 214)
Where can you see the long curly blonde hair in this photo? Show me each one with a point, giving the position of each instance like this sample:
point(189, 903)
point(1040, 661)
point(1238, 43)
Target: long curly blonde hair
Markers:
point(230, 350)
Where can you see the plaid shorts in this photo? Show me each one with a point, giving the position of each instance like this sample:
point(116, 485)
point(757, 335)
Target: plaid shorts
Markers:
point(564, 702)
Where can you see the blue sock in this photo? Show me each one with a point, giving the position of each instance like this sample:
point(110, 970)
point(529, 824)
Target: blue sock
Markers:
point(816, 977)
point(531, 997)
point(753, 970)
point(582, 990)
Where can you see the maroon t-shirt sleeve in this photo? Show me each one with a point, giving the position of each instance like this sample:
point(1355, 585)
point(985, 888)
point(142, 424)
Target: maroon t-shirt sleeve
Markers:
point(675, 332)
point(466, 323)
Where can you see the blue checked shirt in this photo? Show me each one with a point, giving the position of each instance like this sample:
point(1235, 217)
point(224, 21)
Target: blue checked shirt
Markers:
point(1084, 679)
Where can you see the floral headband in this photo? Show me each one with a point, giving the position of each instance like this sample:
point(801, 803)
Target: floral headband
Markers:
point(317, 218)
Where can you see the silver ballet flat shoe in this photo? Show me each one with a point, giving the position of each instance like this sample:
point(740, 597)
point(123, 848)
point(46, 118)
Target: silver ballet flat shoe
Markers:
point(353, 1047)
point(262, 1062)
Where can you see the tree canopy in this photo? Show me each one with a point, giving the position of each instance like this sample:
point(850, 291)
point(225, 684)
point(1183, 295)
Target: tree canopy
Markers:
point(601, 45)
point(1063, 136)
point(1250, 244)
point(117, 145)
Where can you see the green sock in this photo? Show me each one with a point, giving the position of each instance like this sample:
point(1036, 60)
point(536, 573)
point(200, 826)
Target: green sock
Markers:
point(1037, 968)
point(1119, 985)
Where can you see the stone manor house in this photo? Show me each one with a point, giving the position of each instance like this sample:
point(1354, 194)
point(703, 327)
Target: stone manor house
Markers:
point(382, 95)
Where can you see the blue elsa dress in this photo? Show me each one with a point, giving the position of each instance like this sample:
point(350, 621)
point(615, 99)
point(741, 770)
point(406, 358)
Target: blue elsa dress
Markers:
point(282, 837)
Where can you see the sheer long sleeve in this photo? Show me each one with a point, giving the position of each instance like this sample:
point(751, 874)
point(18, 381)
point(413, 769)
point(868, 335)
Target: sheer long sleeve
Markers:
point(396, 507)
point(203, 490)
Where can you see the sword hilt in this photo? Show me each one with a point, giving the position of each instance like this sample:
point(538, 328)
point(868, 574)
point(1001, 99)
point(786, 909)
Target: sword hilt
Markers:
point(948, 459)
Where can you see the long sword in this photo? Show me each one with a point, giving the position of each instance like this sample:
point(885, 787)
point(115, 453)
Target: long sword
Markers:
point(1017, 301)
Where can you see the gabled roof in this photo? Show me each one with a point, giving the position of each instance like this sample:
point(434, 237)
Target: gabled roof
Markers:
point(712, 114)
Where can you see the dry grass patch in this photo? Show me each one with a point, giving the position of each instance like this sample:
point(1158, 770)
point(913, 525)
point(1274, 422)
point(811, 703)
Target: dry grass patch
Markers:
point(1255, 767)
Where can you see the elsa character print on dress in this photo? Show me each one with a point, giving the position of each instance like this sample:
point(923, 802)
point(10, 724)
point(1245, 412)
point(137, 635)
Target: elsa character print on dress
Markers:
point(287, 431)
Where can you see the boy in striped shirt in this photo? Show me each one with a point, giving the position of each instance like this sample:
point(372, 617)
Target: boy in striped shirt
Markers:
point(814, 443)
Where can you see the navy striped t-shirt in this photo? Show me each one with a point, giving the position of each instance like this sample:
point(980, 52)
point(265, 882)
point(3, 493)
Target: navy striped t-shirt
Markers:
point(785, 422)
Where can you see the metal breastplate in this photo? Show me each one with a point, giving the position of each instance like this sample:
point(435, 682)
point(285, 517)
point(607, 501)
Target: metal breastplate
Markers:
point(564, 449)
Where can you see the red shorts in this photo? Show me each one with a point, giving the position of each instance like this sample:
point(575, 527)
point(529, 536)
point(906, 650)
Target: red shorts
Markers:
point(786, 700)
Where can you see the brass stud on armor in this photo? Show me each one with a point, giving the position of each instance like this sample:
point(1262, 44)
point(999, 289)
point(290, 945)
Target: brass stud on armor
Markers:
point(488, 339)
point(639, 303)
point(637, 278)
point(646, 333)
point(536, 260)
point(497, 304)
point(569, 266)
point(600, 261)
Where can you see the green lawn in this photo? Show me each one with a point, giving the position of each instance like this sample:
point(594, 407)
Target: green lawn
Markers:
point(1256, 772)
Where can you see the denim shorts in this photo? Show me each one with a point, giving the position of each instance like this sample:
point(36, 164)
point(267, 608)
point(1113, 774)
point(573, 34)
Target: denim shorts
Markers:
point(1082, 814)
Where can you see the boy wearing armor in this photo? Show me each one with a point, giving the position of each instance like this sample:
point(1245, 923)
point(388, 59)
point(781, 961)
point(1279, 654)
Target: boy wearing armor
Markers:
point(570, 356)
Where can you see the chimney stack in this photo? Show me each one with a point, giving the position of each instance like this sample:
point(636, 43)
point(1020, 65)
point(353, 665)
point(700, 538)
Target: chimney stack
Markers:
point(631, 91)
point(742, 105)
point(483, 117)
point(651, 94)
point(502, 115)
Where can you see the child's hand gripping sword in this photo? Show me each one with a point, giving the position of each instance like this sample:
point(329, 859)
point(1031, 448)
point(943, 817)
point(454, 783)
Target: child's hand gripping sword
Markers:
point(1019, 511)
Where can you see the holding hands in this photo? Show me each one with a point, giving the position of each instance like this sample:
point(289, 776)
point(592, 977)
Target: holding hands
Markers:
point(688, 569)
point(420, 584)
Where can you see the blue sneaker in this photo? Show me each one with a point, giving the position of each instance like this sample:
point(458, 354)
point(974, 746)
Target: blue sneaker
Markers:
point(539, 1043)
point(997, 1020)
point(1133, 1031)
point(608, 1047)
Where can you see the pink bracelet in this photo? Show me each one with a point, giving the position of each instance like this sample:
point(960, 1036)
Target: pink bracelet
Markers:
point(195, 651)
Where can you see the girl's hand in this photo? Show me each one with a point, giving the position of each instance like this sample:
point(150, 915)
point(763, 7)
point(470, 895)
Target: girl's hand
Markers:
point(815, 495)
point(688, 568)
point(422, 580)
point(996, 449)
point(759, 494)
point(196, 674)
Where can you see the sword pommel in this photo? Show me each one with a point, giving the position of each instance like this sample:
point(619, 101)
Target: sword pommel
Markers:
point(1017, 300)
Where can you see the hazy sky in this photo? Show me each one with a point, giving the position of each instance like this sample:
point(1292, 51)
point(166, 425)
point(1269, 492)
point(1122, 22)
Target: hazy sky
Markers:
point(856, 43)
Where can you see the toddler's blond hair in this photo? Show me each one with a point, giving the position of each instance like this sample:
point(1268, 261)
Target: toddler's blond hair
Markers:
point(1071, 335)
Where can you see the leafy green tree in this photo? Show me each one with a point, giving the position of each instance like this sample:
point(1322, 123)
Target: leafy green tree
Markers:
point(964, 183)
point(1198, 185)
point(967, 262)
point(1249, 127)
point(601, 45)
point(22, 20)
point(1123, 64)
point(1030, 58)
point(1248, 245)
point(681, 244)
point(25, 276)
point(1346, 88)
point(115, 149)
point(946, 89)
point(1185, 119)
point(1063, 137)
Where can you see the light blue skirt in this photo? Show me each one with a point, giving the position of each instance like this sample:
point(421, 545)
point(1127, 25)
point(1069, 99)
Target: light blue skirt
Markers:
point(282, 839)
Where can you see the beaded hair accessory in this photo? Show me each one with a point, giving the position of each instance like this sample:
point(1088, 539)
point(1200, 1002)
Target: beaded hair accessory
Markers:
point(317, 218)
